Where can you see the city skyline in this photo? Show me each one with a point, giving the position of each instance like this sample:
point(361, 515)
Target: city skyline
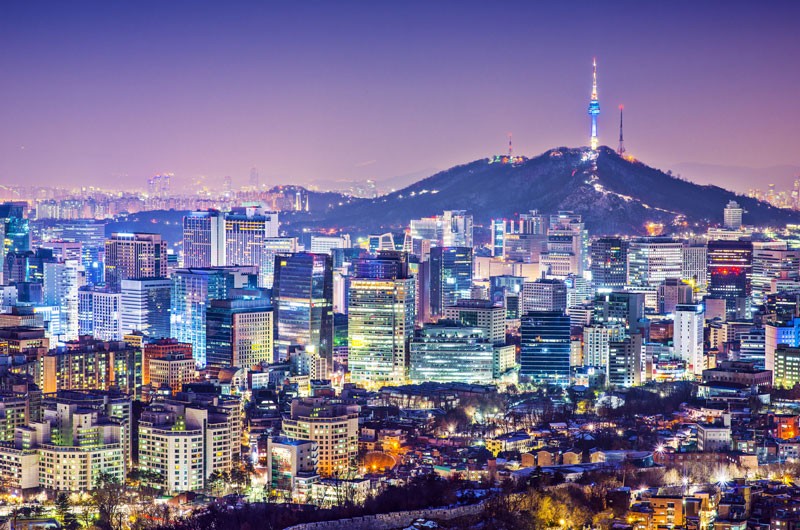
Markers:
point(200, 89)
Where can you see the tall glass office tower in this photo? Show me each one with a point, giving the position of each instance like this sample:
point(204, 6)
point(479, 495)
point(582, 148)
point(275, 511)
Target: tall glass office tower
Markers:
point(302, 294)
point(545, 347)
point(451, 277)
point(380, 319)
point(192, 293)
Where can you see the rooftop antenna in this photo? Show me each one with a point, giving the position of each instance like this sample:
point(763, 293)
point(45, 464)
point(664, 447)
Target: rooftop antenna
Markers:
point(621, 148)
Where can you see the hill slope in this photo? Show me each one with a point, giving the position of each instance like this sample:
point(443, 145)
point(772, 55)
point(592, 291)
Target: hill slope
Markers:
point(614, 195)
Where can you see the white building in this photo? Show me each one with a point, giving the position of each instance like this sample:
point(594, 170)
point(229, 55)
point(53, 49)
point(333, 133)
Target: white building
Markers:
point(688, 336)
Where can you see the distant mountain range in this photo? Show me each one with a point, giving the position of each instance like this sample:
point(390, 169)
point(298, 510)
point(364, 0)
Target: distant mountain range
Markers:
point(614, 195)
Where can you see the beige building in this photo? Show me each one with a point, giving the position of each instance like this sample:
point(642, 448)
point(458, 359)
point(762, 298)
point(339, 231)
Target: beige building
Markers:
point(333, 425)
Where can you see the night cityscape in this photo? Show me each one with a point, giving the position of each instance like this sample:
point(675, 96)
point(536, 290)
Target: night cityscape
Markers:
point(399, 265)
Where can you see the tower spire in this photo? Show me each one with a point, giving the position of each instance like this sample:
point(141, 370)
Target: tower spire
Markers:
point(621, 148)
point(594, 108)
point(510, 148)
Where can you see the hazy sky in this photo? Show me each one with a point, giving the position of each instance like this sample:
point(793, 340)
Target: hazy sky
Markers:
point(93, 92)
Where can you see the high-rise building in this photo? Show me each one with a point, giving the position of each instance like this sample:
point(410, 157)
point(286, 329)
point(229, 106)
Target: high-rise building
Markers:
point(623, 308)
point(609, 262)
point(652, 260)
point(302, 295)
point(567, 246)
point(483, 314)
point(333, 426)
point(688, 336)
point(245, 236)
point(450, 277)
point(544, 295)
point(162, 349)
point(16, 228)
point(191, 295)
point(773, 263)
point(545, 347)
point(671, 293)
point(625, 362)
point(695, 265)
point(380, 319)
point(451, 229)
point(61, 281)
point(172, 371)
point(291, 467)
point(99, 313)
point(134, 256)
point(204, 239)
point(732, 216)
point(272, 247)
point(729, 275)
point(186, 438)
point(597, 339)
point(144, 307)
point(90, 364)
point(449, 352)
point(91, 235)
point(239, 333)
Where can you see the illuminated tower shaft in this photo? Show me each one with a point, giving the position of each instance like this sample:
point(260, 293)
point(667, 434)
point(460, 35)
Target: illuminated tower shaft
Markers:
point(594, 107)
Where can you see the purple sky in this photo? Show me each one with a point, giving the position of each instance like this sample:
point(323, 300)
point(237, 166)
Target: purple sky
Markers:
point(327, 90)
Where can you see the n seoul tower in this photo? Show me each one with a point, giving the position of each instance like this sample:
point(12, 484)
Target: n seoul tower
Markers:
point(594, 107)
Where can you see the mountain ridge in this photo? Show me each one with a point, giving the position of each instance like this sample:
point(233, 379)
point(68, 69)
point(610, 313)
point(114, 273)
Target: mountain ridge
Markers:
point(614, 195)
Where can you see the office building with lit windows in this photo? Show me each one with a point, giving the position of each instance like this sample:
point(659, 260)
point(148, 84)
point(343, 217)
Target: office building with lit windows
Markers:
point(144, 307)
point(191, 296)
point(302, 295)
point(545, 347)
point(204, 239)
point(609, 262)
point(239, 332)
point(333, 425)
point(450, 277)
point(135, 256)
point(730, 266)
point(380, 320)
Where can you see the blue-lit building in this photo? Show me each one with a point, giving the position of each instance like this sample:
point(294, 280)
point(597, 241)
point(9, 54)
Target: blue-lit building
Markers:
point(302, 294)
point(545, 347)
point(239, 333)
point(192, 293)
point(450, 277)
point(16, 228)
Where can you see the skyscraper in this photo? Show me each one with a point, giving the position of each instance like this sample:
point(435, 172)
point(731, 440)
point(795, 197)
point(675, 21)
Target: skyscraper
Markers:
point(17, 233)
point(651, 260)
point(380, 320)
point(191, 295)
point(99, 313)
point(729, 274)
point(245, 235)
point(688, 336)
point(544, 295)
point(303, 304)
point(134, 256)
point(204, 239)
point(545, 347)
point(60, 289)
point(567, 247)
point(145, 306)
point(450, 277)
point(609, 256)
point(239, 333)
